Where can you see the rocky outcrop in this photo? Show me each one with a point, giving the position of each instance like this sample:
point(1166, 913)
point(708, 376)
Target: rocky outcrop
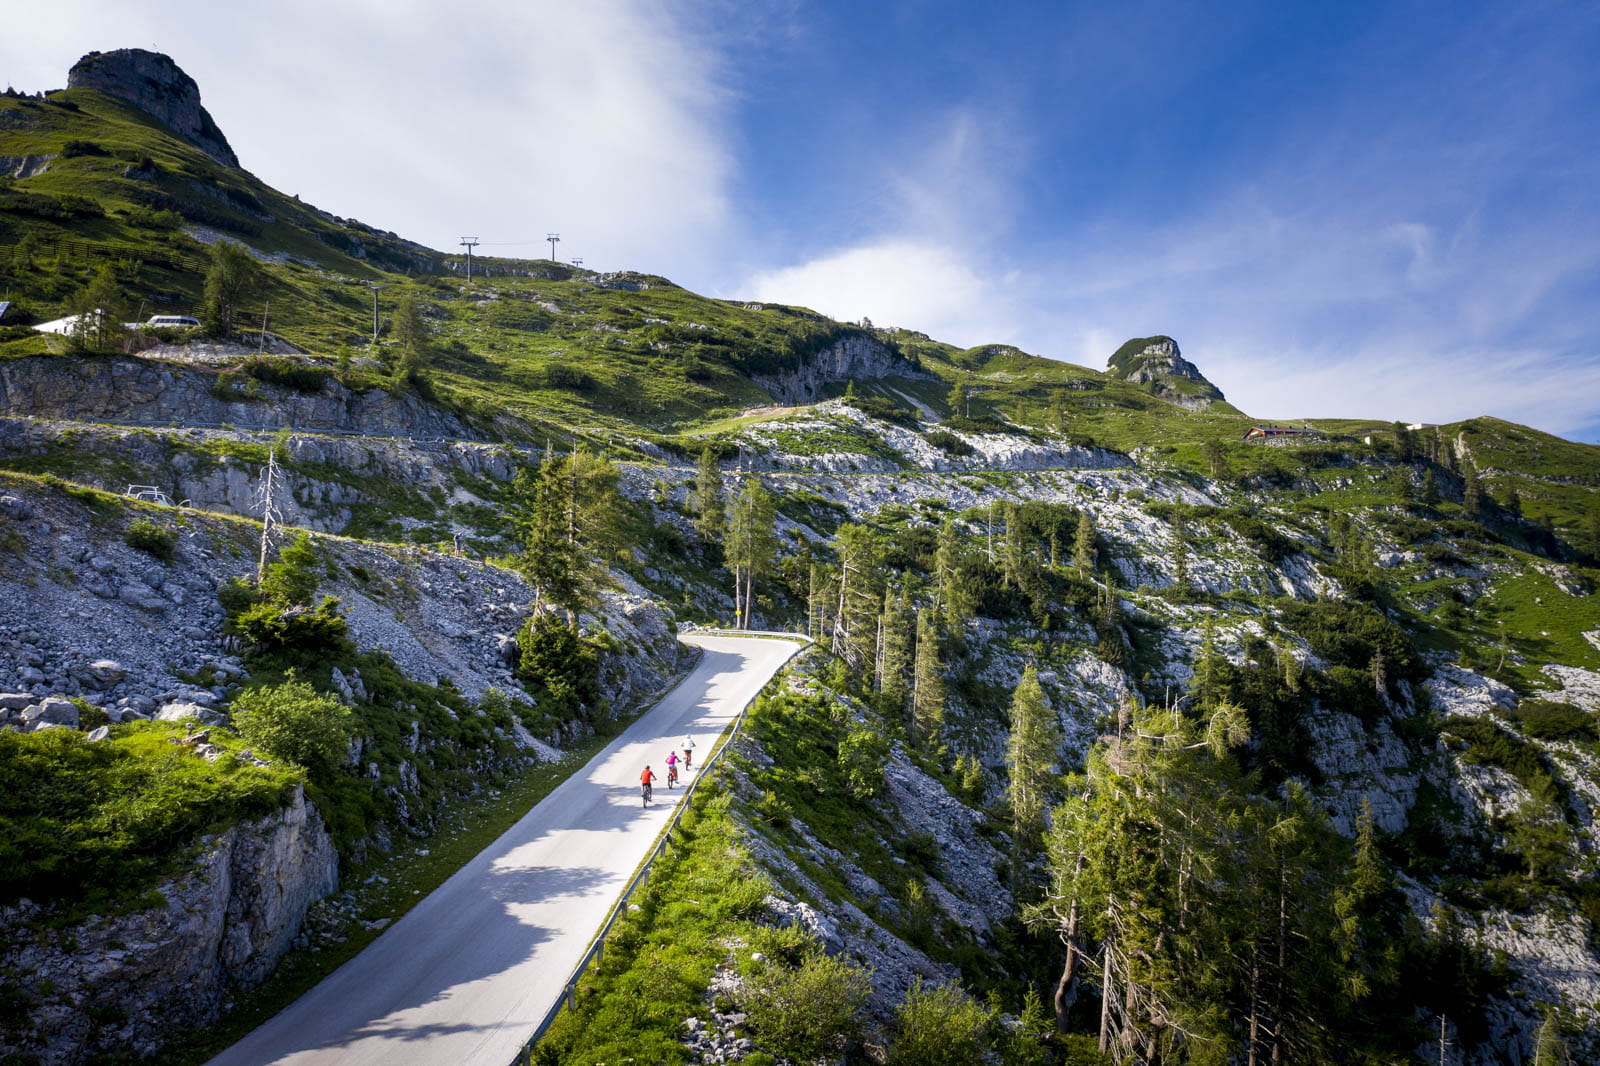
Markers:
point(327, 477)
point(156, 85)
point(127, 982)
point(1157, 362)
point(126, 389)
point(855, 357)
point(25, 166)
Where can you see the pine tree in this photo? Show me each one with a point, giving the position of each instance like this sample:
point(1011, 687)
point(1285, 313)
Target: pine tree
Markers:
point(895, 654)
point(410, 332)
point(1430, 489)
point(412, 347)
point(100, 309)
point(1216, 457)
point(953, 595)
point(1471, 498)
point(927, 692)
point(571, 527)
point(752, 544)
point(958, 400)
point(707, 503)
point(1031, 754)
point(232, 278)
point(855, 619)
point(1083, 544)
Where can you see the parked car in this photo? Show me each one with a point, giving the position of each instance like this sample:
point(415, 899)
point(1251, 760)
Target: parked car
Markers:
point(173, 320)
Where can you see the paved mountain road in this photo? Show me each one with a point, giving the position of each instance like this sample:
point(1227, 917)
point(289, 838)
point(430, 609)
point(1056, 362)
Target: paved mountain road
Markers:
point(466, 975)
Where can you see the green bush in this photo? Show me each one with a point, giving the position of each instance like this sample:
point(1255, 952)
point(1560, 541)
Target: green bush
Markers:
point(555, 660)
point(947, 442)
point(562, 376)
point(287, 373)
point(1550, 720)
point(810, 1011)
point(270, 626)
point(293, 723)
point(883, 410)
point(863, 753)
point(940, 1026)
point(147, 536)
point(1489, 744)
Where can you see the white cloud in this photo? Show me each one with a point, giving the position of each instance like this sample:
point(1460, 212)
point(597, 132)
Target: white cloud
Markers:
point(602, 121)
point(920, 285)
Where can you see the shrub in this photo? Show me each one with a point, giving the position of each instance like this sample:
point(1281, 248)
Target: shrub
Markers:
point(809, 1011)
point(940, 1026)
point(554, 659)
point(883, 410)
point(287, 373)
point(863, 753)
point(947, 442)
point(149, 537)
point(294, 577)
point(562, 376)
point(293, 723)
point(1550, 720)
point(270, 625)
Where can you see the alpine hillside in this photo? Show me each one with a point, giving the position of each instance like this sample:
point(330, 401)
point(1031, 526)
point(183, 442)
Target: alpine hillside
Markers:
point(1134, 730)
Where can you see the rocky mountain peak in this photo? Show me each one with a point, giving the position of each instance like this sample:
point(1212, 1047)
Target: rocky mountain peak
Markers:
point(1157, 362)
point(157, 86)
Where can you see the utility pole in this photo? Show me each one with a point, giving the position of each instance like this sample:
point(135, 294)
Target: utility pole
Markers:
point(469, 243)
point(375, 289)
point(552, 238)
point(261, 345)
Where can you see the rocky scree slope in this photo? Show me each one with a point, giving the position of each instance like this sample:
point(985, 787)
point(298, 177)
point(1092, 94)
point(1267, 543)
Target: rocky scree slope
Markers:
point(133, 638)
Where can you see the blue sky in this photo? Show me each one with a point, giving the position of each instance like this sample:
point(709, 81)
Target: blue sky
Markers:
point(1376, 209)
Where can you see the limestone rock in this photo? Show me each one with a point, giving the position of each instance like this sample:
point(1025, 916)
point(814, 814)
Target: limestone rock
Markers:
point(156, 85)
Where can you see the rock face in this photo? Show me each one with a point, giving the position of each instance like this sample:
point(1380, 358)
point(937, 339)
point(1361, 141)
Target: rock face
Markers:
point(139, 390)
point(1156, 361)
point(857, 357)
point(156, 85)
point(222, 926)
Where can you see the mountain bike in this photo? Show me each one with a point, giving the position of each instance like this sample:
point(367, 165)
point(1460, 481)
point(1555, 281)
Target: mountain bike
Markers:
point(672, 777)
point(644, 792)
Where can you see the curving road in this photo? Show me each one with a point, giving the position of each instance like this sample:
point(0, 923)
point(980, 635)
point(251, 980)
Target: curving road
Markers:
point(469, 972)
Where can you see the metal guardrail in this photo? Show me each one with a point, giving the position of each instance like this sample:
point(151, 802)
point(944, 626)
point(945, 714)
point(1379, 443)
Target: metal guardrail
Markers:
point(524, 1057)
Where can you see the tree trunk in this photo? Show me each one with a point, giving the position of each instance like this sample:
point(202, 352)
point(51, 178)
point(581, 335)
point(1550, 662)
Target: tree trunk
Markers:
point(1105, 1000)
point(1067, 987)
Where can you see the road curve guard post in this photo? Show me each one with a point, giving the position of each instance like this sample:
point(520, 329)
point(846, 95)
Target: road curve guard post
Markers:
point(569, 998)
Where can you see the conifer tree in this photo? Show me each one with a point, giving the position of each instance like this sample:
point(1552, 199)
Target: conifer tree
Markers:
point(1083, 544)
point(410, 332)
point(752, 544)
point(1430, 489)
point(571, 528)
point(232, 278)
point(953, 596)
point(100, 309)
point(1471, 498)
point(927, 691)
point(895, 654)
point(707, 503)
point(1592, 530)
point(958, 400)
point(1031, 754)
point(859, 596)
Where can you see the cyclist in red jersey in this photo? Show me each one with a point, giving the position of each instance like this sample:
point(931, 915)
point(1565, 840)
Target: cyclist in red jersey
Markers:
point(644, 785)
